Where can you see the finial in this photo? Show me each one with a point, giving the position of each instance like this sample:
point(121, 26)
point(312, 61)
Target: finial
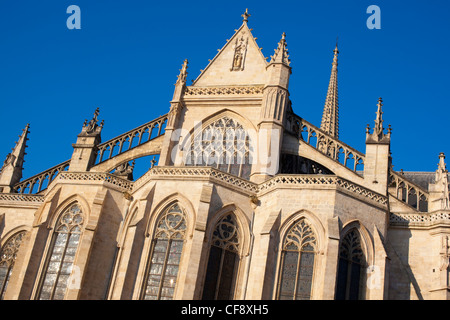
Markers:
point(246, 15)
point(336, 52)
point(91, 126)
point(153, 162)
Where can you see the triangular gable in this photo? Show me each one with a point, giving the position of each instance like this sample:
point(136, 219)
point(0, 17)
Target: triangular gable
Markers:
point(239, 62)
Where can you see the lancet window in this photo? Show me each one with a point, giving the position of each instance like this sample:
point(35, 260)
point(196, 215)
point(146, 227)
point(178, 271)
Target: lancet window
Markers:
point(167, 246)
point(351, 268)
point(60, 262)
point(8, 254)
point(297, 262)
point(223, 260)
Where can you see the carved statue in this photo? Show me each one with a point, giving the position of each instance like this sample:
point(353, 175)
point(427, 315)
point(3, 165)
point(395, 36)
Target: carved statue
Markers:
point(239, 53)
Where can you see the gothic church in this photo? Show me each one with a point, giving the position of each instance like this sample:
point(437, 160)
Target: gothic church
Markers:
point(248, 200)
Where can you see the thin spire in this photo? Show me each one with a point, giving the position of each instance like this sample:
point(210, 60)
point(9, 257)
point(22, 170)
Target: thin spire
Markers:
point(11, 170)
point(183, 73)
point(281, 54)
point(330, 117)
point(378, 135)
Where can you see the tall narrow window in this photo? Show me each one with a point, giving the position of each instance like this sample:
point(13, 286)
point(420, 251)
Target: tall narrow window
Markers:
point(167, 246)
point(225, 145)
point(8, 255)
point(297, 262)
point(66, 238)
point(223, 261)
point(351, 273)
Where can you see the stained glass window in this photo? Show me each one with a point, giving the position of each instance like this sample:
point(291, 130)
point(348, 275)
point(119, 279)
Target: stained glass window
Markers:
point(350, 268)
point(8, 255)
point(165, 258)
point(63, 248)
point(225, 145)
point(223, 261)
point(297, 262)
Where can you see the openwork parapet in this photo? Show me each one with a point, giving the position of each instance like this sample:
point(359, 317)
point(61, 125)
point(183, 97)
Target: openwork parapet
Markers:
point(215, 91)
point(326, 144)
point(131, 139)
point(41, 181)
point(97, 176)
point(423, 220)
point(408, 192)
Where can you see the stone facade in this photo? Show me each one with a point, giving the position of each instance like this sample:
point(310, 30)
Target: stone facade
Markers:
point(217, 218)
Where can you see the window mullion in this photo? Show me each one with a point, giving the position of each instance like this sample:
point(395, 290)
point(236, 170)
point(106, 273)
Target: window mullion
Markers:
point(297, 274)
point(219, 276)
point(349, 279)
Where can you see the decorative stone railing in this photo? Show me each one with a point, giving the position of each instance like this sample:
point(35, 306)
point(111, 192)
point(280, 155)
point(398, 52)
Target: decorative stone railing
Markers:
point(196, 173)
point(251, 187)
point(326, 144)
point(323, 180)
point(215, 91)
point(16, 197)
point(423, 220)
point(408, 192)
point(40, 181)
point(131, 139)
point(121, 183)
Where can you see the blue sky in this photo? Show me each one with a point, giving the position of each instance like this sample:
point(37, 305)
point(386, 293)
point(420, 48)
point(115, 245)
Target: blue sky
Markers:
point(127, 55)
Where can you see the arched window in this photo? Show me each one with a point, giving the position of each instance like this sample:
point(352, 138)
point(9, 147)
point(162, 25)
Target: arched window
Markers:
point(297, 262)
point(165, 255)
point(225, 145)
point(351, 268)
point(8, 255)
point(55, 279)
point(223, 260)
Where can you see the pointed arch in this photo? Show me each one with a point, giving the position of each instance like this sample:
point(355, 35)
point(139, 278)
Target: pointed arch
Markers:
point(355, 254)
point(167, 230)
point(223, 142)
point(76, 198)
point(302, 238)
point(164, 260)
point(164, 203)
point(56, 272)
point(9, 249)
point(228, 236)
